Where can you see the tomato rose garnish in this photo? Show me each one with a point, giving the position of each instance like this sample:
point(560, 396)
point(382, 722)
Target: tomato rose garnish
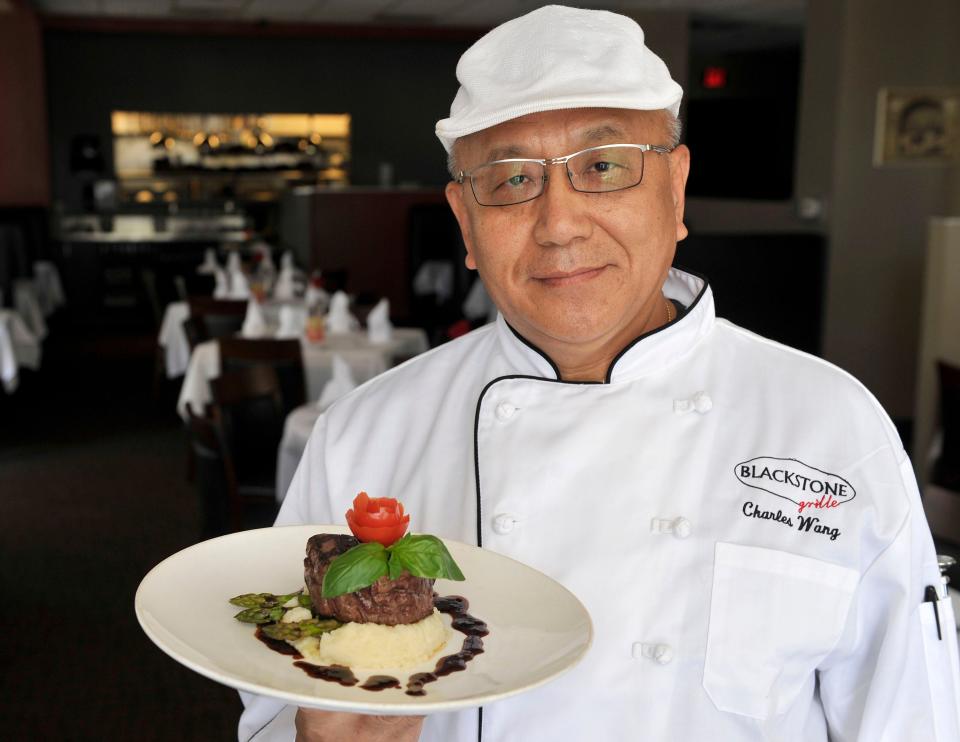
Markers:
point(379, 519)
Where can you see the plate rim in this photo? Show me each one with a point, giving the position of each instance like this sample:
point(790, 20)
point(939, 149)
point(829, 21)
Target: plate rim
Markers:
point(392, 708)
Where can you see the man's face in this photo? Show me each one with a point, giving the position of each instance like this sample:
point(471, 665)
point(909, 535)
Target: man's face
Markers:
point(568, 267)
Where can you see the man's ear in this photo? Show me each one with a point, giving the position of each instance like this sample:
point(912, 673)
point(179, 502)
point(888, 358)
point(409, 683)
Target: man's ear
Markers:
point(679, 170)
point(454, 193)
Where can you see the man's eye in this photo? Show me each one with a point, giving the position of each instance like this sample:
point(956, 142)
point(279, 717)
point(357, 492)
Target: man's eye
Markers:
point(516, 180)
point(601, 167)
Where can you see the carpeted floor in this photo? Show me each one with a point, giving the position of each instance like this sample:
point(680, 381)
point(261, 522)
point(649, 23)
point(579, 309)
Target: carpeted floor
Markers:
point(93, 493)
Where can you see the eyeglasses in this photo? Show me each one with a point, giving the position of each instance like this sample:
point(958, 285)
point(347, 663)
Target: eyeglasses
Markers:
point(611, 167)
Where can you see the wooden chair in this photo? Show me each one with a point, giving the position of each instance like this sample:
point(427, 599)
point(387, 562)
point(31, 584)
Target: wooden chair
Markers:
point(285, 357)
point(942, 507)
point(195, 331)
point(946, 468)
point(219, 317)
point(213, 476)
point(248, 413)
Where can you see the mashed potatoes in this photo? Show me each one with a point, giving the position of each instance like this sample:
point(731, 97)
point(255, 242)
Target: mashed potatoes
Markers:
point(374, 646)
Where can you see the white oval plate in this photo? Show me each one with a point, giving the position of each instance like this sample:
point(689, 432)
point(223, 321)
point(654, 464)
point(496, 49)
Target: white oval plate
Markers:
point(538, 628)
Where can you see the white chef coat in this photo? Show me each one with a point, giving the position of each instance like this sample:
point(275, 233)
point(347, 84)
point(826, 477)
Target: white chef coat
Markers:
point(669, 500)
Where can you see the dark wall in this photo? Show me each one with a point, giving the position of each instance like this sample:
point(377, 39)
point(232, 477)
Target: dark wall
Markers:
point(24, 172)
point(395, 90)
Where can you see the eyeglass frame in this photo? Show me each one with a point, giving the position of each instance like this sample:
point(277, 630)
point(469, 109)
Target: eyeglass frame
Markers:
point(544, 162)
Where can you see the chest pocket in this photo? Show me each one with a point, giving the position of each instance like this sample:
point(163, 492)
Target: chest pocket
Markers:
point(773, 617)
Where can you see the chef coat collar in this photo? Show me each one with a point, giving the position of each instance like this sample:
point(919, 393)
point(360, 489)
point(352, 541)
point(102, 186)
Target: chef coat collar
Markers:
point(647, 353)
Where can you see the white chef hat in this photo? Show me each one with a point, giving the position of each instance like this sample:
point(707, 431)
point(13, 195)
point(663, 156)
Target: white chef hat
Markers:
point(553, 58)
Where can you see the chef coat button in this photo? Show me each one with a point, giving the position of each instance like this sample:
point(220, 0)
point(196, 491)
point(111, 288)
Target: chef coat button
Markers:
point(702, 402)
point(681, 527)
point(663, 654)
point(503, 523)
point(505, 411)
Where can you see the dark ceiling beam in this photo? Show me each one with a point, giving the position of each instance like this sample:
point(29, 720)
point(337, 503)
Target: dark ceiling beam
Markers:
point(255, 29)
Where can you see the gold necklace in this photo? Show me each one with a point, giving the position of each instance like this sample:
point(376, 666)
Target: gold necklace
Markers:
point(669, 310)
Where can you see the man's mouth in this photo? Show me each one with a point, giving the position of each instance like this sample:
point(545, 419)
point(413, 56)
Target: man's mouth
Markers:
point(557, 279)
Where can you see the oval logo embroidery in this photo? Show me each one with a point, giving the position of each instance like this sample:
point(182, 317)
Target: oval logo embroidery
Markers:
point(804, 485)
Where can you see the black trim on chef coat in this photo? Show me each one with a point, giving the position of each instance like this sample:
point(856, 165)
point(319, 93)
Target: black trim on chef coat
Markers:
point(682, 311)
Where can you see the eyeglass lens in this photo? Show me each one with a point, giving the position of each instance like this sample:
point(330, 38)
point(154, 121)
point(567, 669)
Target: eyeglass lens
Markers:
point(593, 171)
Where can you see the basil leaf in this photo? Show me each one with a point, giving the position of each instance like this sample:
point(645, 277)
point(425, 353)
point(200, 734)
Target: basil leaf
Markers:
point(424, 556)
point(355, 569)
point(394, 567)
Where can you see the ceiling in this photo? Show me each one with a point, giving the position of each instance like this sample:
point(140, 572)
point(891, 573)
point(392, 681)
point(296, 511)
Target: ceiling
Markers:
point(438, 13)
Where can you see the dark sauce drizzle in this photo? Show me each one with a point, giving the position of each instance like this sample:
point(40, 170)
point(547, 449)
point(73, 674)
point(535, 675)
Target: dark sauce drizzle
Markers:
point(278, 645)
point(463, 622)
point(455, 605)
point(333, 673)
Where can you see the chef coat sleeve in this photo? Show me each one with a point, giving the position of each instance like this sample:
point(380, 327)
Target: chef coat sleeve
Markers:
point(266, 719)
point(892, 679)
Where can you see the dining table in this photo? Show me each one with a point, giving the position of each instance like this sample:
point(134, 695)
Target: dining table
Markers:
point(49, 287)
point(26, 300)
point(172, 337)
point(296, 432)
point(365, 359)
point(19, 348)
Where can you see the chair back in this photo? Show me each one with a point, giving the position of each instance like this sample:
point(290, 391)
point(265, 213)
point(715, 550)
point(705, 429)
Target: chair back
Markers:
point(195, 331)
point(248, 408)
point(285, 357)
point(149, 279)
point(942, 507)
point(946, 469)
point(220, 317)
point(219, 504)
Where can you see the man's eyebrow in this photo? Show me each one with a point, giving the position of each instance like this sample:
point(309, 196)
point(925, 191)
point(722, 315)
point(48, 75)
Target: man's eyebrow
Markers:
point(503, 153)
point(602, 132)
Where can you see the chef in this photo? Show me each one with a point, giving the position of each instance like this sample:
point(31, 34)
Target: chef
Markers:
point(739, 518)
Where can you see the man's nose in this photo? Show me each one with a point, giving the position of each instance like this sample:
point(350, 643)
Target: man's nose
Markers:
point(562, 213)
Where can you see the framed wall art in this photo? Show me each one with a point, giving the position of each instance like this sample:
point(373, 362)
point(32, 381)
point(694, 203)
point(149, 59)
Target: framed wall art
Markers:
point(917, 126)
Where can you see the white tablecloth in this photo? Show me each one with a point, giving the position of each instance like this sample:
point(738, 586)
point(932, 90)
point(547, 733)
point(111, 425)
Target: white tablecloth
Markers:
point(296, 431)
point(365, 360)
point(49, 287)
point(173, 339)
point(26, 300)
point(19, 347)
point(176, 349)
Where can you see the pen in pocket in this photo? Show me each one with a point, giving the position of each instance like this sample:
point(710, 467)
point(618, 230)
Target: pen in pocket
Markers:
point(930, 596)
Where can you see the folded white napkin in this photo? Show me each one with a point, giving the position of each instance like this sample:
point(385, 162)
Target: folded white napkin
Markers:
point(239, 286)
point(254, 325)
point(286, 260)
point(317, 299)
point(342, 383)
point(339, 319)
point(49, 286)
point(285, 287)
point(379, 329)
point(233, 262)
point(267, 266)
point(434, 277)
point(293, 320)
point(478, 304)
point(209, 264)
point(221, 289)
point(8, 359)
